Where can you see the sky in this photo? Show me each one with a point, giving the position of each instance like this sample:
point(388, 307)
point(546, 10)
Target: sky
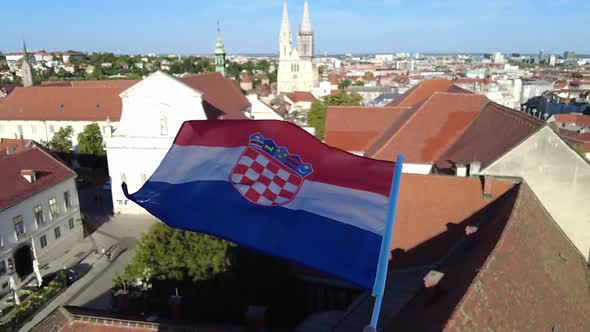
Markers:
point(340, 26)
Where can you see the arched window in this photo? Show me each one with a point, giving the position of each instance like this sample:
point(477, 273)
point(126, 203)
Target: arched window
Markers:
point(163, 124)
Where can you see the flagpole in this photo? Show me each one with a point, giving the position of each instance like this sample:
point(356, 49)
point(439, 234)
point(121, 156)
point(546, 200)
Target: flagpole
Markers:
point(381, 277)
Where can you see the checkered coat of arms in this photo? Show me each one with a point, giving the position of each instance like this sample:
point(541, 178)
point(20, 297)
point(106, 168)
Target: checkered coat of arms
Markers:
point(267, 174)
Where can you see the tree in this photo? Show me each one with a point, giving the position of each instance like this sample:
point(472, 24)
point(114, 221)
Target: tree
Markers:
point(316, 117)
point(345, 83)
point(90, 140)
point(368, 76)
point(62, 140)
point(166, 253)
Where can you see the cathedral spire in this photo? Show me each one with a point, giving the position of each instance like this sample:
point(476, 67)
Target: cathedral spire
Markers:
point(286, 43)
point(306, 23)
point(26, 69)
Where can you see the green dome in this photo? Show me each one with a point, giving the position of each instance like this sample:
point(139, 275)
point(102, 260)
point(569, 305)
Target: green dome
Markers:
point(219, 46)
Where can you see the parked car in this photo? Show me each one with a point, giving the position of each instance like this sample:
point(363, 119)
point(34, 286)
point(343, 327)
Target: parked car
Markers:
point(71, 276)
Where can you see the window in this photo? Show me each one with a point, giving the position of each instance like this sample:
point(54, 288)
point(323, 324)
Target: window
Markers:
point(38, 210)
point(51, 129)
point(2, 267)
point(43, 241)
point(33, 129)
point(67, 200)
point(57, 232)
point(20, 131)
point(71, 223)
point(53, 207)
point(163, 125)
point(19, 227)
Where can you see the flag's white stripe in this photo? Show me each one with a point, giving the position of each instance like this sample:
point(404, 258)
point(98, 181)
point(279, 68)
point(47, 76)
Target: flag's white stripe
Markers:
point(362, 209)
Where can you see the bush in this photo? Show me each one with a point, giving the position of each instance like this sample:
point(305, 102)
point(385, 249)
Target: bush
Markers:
point(33, 302)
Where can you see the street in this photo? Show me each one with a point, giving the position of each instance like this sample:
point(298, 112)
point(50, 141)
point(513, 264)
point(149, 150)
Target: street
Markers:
point(92, 289)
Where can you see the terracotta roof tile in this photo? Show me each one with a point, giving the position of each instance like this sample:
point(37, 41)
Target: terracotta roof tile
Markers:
point(15, 188)
point(424, 132)
point(421, 92)
point(221, 95)
point(430, 208)
point(12, 145)
point(301, 96)
point(577, 119)
point(352, 128)
point(521, 274)
point(496, 130)
point(62, 103)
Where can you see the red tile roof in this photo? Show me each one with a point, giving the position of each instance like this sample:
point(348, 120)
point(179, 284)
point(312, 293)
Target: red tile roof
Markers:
point(62, 103)
point(121, 84)
point(50, 171)
point(352, 128)
point(301, 96)
point(76, 319)
point(421, 92)
point(222, 96)
point(430, 208)
point(426, 131)
point(521, 274)
point(494, 132)
point(12, 145)
point(577, 119)
point(97, 100)
point(246, 78)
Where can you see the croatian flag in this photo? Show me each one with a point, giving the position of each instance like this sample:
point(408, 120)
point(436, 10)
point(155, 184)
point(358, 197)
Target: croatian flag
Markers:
point(271, 186)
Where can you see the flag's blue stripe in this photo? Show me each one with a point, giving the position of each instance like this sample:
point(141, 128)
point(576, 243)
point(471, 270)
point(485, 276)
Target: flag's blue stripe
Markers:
point(216, 208)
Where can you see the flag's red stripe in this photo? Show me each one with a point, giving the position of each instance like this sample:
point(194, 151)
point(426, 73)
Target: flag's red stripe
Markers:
point(330, 165)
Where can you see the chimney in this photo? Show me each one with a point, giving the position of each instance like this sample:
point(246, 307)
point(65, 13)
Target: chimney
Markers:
point(461, 170)
point(29, 175)
point(431, 285)
point(470, 233)
point(488, 183)
point(474, 168)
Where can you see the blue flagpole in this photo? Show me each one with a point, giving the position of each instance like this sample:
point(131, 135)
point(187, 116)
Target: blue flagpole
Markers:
point(381, 277)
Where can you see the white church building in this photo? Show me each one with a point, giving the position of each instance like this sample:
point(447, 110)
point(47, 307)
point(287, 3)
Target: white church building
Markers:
point(153, 111)
point(296, 72)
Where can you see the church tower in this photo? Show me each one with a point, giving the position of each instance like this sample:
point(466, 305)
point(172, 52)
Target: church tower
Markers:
point(305, 44)
point(26, 70)
point(285, 39)
point(220, 54)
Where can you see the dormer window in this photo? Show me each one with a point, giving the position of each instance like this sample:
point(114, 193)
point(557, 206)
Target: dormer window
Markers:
point(29, 175)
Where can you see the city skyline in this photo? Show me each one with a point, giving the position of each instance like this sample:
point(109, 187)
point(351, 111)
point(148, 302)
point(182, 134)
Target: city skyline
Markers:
point(341, 26)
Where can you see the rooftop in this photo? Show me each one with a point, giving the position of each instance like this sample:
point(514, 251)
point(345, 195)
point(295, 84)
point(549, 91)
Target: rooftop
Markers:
point(13, 145)
point(49, 172)
point(520, 273)
point(421, 92)
point(495, 131)
point(424, 132)
point(352, 128)
point(301, 96)
point(62, 103)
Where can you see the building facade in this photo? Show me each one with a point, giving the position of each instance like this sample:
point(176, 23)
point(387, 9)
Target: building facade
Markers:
point(296, 72)
point(39, 212)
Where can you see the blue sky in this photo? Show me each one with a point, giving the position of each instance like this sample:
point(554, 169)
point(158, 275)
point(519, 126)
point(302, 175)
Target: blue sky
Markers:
point(252, 26)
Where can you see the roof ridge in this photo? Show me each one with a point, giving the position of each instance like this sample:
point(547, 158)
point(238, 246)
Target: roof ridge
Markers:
point(403, 125)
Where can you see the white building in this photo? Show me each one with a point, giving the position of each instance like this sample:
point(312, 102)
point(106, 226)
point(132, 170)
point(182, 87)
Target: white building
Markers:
point(38, 203)
point(153, 111)
point(534, 88)
point(260, 110)
point(297, 72)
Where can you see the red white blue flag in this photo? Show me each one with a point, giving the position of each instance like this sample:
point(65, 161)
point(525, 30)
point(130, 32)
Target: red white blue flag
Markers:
point(271, 186)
